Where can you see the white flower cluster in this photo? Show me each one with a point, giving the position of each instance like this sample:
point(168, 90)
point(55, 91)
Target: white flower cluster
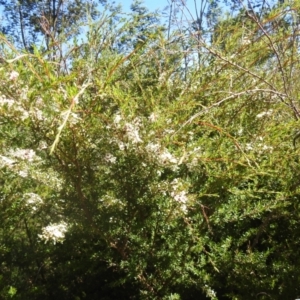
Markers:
point(38, 114)
point(117, 119)
point(246, 41)
point(210, 292)
point(179, 195)
point(48, 177)
point(23, 173)
point(259, 147)
point(11, 164)
point(132, 132)
point(13, 107)
point(24, 154)
point(42, 145)
point(27, 155)
point(131, 129)
point(54, 232)
point(6, 161)
point(17, 107)
point(33, 200)
point(109, 158)
point(153, 148)
point(6, 102)
point(13, 75)
point(164, 157)
point(267, 113)
point(193, 157)
point(153, 117)
point(24, 169)
point(265, 148)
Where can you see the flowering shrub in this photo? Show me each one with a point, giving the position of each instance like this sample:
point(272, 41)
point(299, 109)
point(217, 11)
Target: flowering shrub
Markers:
point(54, 232)
point(145, 179)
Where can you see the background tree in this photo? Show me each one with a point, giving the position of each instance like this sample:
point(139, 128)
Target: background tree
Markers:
point(32, 22)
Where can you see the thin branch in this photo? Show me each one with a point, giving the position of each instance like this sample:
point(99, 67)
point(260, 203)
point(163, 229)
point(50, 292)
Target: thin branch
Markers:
point(22, 27)
point(232, 95)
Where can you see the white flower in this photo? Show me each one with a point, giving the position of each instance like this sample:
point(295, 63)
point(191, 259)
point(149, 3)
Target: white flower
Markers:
point(5, 101)
point(54, 232)
point(190, 135)
point(258, 147)
point(121, 145)
point(117, 119)
point(42, 145)
point(132, 133)
point(179, 196)
point(169, 131)
point(153, 117)
point(265, 148)
point(183, 207)
point(38, 114)
point(264, 114)
point(11, 104)
point(39, 102)
point(24, 93)
point(25, 113)
point(194, 87)
point(23, 173)
point(24, 154)
point(110, 158)
point(249, 147)
point(5, 161)
point(210, 292)
point(193, 163)
point(153, 147)
point(33, 200)
point(167, 157)
point(175, 183)
point(246, 41)
point(162, 77)
point(13, 75)
point(240, 131)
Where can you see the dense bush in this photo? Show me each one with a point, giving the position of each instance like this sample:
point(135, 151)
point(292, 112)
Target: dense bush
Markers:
point(132, 168)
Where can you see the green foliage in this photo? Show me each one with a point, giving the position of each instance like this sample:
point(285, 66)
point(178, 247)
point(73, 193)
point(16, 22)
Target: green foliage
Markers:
point(129, 173)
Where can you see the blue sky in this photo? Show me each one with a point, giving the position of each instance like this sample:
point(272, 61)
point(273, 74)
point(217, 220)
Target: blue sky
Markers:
point(151, 4)
point(156, 4)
